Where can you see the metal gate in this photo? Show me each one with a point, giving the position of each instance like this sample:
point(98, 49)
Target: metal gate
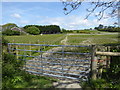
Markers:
point(62, 61)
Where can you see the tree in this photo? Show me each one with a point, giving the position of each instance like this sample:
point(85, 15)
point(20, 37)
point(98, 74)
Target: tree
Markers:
point(70, 5)
point(33, 30)
point(100, 26)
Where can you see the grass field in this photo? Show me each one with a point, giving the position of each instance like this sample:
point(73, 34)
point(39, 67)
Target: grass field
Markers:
point(92, 39)
point(36, 39)
point(56, 39)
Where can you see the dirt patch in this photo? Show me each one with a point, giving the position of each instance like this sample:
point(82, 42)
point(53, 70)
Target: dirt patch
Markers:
point(67, 84)
point(57, 63)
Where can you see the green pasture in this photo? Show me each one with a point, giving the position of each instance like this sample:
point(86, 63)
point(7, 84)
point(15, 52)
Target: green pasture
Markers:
point(36, 39)
point(93, 39)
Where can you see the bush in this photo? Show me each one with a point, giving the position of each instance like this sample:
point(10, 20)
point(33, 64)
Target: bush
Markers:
point(33, 30)
point(4, 42)
point(10, 32)
point(10, 70)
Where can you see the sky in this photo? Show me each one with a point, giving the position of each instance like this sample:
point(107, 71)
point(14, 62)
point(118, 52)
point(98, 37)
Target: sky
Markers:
point(49, 13)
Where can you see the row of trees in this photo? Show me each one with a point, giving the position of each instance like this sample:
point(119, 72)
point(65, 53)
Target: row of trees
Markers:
point(107, 28)
point(13, 29)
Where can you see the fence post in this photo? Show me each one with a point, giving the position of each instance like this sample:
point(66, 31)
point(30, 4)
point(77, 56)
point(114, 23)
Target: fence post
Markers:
point(100, 69)
point(44, 43)
point(17, 51)
point(93, 63)
point(30, 48)
point(8, 48)
point(13, 41)
point(41, 59)
point(62, 60)
point(108, 58)
point(38, 42)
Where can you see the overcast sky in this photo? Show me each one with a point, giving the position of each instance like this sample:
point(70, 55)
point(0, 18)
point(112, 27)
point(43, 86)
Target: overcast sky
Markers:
point(47, 13)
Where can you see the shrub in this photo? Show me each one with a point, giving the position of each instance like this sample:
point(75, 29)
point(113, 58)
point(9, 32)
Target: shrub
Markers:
point(10, 32)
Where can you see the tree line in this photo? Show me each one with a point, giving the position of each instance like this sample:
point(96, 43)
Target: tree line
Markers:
point(13, 29)
point(107, 28)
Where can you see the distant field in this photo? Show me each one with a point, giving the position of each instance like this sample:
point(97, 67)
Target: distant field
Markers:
point(36, 39)
point(92, 39)
point(72, 39)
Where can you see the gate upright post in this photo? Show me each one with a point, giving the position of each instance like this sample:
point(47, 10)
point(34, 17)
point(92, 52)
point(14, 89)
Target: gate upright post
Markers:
point(93, 63)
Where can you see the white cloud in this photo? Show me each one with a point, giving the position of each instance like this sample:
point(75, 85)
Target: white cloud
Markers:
point(73, 22)
point(16, 15)
point(24, 22)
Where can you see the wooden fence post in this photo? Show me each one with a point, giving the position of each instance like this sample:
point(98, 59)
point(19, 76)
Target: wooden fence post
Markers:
point(93, 63)
point(44, 44)
point(100, 69)
point(17, 51)
point(30, 48)
point(8, 48)
point(13, 41)
point(38, 42)
point(108, 58)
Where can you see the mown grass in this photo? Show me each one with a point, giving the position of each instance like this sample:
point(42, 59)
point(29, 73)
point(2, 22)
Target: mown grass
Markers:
point(96, 39)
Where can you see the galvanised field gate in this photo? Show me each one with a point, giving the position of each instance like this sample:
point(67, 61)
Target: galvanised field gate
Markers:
point(63, 61)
